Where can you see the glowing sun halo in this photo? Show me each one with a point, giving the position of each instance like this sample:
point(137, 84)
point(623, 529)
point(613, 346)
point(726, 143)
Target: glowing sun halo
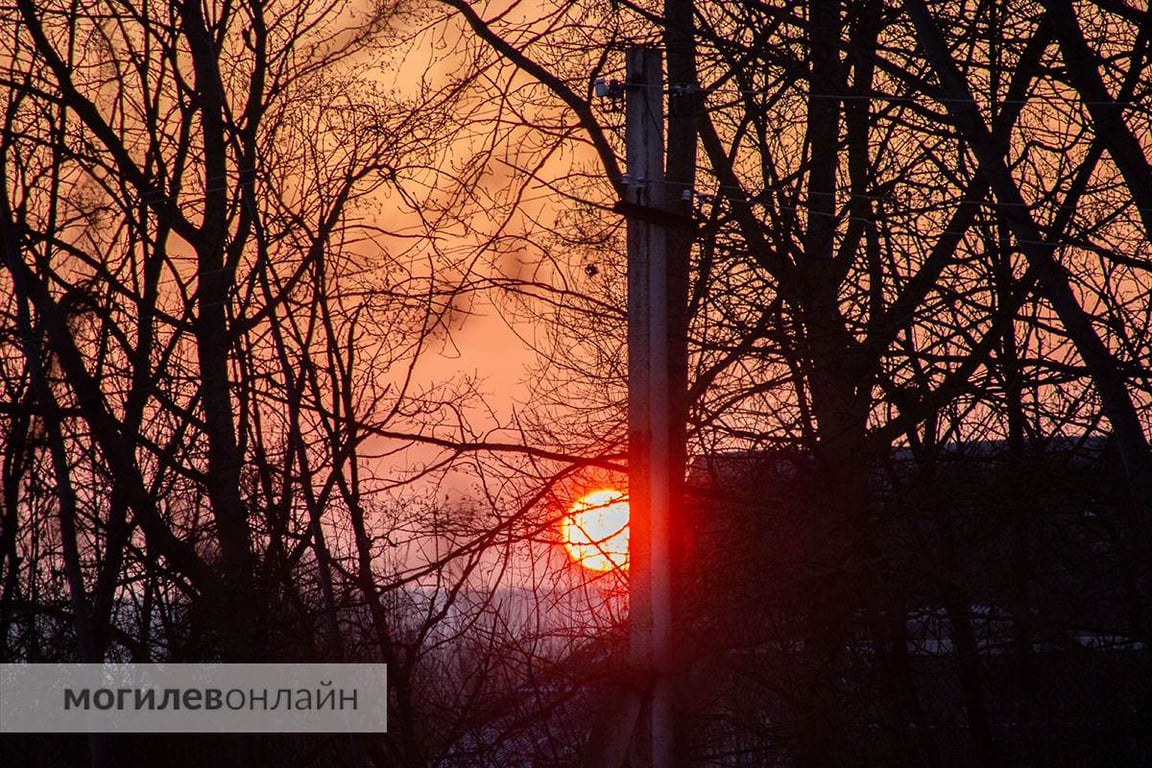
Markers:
point(595, 530)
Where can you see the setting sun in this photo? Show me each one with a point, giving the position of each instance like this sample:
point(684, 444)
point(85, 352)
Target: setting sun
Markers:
point(595, 530)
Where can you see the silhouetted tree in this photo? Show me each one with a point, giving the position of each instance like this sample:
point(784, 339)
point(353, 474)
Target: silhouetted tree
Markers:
point(904, 238)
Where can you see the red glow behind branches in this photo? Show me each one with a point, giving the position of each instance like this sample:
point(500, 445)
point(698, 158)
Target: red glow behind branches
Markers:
point(595, 531)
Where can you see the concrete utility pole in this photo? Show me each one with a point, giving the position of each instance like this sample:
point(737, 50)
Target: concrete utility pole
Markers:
point(649, 403)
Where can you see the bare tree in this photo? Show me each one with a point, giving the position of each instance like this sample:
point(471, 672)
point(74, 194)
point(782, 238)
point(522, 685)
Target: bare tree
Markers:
point(903, 238)
point(218, 333)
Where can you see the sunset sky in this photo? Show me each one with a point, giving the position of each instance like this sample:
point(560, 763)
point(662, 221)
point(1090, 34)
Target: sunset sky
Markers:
point(355, 331)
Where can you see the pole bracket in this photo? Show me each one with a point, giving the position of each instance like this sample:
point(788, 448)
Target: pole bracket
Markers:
point(654, 215)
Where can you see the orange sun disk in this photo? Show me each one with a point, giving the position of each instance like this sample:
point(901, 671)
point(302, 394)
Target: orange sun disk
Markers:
point(595, 530)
